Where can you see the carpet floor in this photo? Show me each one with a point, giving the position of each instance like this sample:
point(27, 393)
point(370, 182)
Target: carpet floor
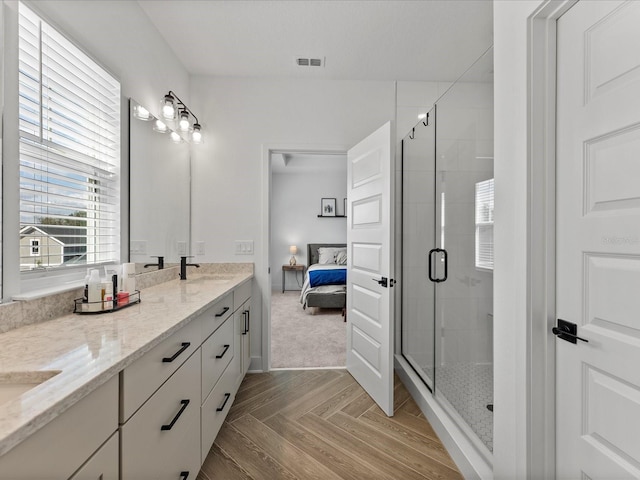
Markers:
point(315, 337)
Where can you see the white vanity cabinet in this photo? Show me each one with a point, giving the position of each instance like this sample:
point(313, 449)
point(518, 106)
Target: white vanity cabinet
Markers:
point(161, 440)
point(69, 441)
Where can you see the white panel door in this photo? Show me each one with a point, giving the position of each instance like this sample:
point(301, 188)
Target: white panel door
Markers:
point(598, 241)
point(370, 267)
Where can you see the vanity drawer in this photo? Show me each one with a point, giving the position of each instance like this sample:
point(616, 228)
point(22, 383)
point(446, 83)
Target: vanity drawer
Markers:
point(241, 294)
point(217, 313)
point(161, 439)
point(217, 352)
point(215, 409)
point(143, 377)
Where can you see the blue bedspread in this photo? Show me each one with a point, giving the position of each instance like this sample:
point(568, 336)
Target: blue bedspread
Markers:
point(328, 277)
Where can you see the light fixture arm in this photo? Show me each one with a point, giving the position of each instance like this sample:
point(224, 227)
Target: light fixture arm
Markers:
point(183, 106)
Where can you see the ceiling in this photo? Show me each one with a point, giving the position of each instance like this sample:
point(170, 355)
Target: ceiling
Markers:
point(410, 40)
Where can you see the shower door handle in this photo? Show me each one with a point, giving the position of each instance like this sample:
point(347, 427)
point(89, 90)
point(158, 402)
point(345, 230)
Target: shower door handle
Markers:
point(444, 253)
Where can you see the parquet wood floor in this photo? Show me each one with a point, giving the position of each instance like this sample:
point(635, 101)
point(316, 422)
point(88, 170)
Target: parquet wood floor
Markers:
point(320, 424)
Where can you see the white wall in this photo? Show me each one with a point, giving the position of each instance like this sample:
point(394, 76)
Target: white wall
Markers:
point(241, 117)
point(510, 274)
point(295, 206)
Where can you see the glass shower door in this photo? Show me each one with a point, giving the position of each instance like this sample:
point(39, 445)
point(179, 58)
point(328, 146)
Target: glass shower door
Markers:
point(464, 239)
point(418, 167)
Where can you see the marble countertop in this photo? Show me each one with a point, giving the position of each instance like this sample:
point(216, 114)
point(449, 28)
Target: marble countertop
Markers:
point(84, 351)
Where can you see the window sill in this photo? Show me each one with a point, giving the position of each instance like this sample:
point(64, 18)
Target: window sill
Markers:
point(45, 292)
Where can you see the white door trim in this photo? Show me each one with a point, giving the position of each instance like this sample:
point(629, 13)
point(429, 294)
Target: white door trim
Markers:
point(541, 262)
point(263, 272)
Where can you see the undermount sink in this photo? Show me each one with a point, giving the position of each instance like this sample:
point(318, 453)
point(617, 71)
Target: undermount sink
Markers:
point(14, 384)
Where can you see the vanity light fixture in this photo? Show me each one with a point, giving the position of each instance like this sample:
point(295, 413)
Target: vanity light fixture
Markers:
point(175, 138)
point(171, 104)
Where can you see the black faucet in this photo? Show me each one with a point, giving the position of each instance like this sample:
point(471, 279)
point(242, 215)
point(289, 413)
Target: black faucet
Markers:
point(160, 263)
point(183, 267)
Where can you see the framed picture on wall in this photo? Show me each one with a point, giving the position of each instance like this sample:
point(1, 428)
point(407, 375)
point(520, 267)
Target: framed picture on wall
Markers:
point(344, 209)
point(328, 207)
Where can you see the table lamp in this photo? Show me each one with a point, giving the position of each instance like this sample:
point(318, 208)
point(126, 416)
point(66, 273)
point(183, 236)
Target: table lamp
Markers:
point(293, 250)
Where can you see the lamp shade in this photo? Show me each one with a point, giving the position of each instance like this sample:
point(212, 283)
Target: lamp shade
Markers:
point(293, 249)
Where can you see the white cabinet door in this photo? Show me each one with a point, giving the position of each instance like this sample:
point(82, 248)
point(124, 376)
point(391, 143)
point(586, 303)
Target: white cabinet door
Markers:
point(161, 441)
point(598, 241)
point(245, 349)
point(64, 444)
point(370, 266)
point(103, 465)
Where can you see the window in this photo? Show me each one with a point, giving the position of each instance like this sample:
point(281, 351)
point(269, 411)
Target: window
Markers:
point(484, 225)
point(35, 247)
point(69, 109)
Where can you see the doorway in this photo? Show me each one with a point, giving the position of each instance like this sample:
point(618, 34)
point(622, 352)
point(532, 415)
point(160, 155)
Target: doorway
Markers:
point(304, 337)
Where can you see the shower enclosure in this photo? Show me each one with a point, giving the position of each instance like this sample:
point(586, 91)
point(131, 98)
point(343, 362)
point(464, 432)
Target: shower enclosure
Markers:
point(447, 252)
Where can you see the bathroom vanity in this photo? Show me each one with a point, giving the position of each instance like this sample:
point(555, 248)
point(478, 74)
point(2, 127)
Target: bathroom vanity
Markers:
point(134, 394)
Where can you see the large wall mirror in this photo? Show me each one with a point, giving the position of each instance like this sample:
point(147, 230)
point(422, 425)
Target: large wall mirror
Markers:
point(160, 179)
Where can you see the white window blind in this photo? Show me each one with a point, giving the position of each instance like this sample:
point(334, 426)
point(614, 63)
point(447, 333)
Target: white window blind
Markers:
point(484, 224)
point(69, 109)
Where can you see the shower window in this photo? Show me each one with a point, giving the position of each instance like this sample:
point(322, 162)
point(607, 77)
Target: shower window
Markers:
point(484, 225)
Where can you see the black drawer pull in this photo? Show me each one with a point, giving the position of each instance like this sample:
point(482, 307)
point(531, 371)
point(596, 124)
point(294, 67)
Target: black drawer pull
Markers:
point(184, 475)
point(226, 347)
point(227, 396)
point(175, 419)
point(245, 314)
point(224, 310)
point(185, 345)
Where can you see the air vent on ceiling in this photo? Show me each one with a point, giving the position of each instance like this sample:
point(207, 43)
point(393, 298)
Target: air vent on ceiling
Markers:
point(309, 62)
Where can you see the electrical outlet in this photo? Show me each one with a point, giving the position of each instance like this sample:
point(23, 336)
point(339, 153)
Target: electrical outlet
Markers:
point(244, 247)
point(182, 248)
point(199, 248)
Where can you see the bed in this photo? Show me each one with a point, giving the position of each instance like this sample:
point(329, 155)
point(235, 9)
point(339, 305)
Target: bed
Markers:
point(325, 283)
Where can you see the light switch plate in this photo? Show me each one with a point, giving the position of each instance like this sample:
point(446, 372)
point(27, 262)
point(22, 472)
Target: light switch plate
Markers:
point(244, 247)
point(199, 248)
point(182, 248)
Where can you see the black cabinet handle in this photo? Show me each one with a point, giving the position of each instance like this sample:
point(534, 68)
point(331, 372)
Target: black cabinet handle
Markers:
point(226, 347)
point(224, 310)
point(175, 419)
point(227, 396)
point(185, 345)
point(245, 314)
point(184, 475)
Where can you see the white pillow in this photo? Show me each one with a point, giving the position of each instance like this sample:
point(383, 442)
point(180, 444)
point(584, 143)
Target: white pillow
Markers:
point(326, 255)
point(341, 257)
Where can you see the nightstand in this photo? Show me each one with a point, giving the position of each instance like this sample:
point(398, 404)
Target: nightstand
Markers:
point(294, 268)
